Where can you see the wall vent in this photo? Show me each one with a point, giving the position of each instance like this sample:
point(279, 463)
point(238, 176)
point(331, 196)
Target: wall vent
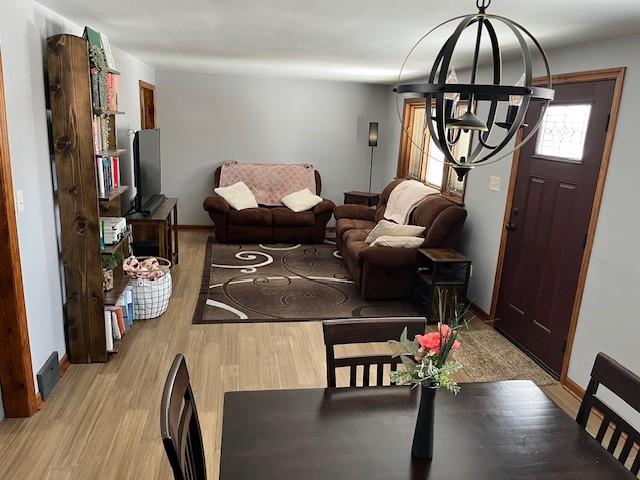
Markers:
point(48, 375)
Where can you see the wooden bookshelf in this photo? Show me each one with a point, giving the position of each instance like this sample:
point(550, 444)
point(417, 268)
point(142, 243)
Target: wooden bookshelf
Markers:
point(113, 194)
point(81, 207)
point(113, 248)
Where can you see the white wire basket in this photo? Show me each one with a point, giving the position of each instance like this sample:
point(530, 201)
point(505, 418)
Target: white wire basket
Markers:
point(151, 297)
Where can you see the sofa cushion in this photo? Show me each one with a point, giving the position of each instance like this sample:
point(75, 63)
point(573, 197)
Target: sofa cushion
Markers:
point(301, 200)
point(285, 217)
point(354, 251)
point(250, 216)
point(354, 234)
point(238, 196)
point(344, 224)
point(385, 228)
point(398, 241)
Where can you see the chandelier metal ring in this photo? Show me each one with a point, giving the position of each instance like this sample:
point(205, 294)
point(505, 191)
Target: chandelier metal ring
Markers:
point(440, 93)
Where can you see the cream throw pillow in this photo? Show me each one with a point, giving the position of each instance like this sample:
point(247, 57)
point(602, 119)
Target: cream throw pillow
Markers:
point(391, 229)
point(301, 200)
point(398, 242)
point(238, 196)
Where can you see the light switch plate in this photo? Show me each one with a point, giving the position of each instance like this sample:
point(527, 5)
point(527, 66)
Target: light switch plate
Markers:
point(19, 201)
point(494, 184)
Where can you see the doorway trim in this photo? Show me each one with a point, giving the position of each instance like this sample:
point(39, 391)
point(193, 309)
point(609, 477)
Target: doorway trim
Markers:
point(142, 85)
point(616, 74)
point(16, 373)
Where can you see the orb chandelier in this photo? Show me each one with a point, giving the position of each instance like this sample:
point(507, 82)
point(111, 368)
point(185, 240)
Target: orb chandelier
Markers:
point(489, 138)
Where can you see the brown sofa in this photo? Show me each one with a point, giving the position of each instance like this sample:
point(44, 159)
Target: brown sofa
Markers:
point(386, 272)
point(268, 224)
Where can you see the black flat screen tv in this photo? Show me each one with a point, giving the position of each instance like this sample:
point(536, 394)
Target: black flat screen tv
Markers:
point(146, 166)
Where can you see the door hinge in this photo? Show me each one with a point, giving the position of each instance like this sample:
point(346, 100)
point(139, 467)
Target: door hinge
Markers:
point(606, 128)
point(564, 346)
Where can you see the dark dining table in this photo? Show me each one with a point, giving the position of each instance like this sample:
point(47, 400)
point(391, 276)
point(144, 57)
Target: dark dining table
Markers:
point(492, 430)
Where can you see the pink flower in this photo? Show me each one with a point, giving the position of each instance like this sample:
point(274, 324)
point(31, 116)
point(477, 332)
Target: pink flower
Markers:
point(445, 331)
point(430, 342)
point(455, 346)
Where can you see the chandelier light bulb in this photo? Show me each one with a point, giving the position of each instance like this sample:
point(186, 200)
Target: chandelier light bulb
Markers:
point(452, 78)
point(516, 100)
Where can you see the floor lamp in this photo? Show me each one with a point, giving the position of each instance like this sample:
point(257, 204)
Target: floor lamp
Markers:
point(373, 142)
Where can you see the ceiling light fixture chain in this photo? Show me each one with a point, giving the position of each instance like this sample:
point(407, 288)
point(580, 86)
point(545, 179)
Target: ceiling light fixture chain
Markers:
point(442, 92)
point(483, 5)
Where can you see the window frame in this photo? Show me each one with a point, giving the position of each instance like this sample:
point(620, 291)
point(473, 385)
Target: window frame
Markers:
point(404, 156)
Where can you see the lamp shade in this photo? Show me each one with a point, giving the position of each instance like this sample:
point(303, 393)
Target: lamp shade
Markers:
point(373, 134)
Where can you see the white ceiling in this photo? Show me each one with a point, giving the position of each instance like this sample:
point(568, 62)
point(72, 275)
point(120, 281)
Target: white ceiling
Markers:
point(363, 40)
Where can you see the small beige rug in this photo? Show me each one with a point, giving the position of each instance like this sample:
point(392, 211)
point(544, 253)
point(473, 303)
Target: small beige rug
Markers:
point(487, 356)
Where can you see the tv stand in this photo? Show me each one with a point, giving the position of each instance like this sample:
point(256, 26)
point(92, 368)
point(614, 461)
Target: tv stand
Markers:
point(150, 207)
point(156, 234)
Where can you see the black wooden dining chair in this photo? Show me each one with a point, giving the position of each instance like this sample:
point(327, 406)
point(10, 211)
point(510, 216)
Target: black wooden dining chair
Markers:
point(365, 330)
point(626, 385)
point(179, 425)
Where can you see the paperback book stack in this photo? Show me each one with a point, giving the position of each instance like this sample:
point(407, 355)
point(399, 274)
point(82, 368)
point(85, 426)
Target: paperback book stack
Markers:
point(108, 172)
point(112, 230)
point(118, 319)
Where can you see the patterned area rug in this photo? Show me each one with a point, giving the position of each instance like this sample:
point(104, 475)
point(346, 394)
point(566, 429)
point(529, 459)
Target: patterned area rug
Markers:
point(274, 283)
point(487, 356)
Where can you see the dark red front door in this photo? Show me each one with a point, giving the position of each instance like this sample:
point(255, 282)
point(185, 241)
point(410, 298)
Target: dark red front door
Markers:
point(555, 187)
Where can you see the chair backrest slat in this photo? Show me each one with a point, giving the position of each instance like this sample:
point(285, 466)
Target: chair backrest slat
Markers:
point(626, 385)
point(615, 438)
point(635, 468)
point(602, 431)
point(179, 425)
point(365, 375)
point(352, 375)
point(379, 373)
point(365, 330)
point(626, 450)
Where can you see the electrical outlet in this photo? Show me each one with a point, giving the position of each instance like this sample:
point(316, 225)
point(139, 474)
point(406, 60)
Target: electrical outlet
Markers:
point(494, 184)
point(19, 201)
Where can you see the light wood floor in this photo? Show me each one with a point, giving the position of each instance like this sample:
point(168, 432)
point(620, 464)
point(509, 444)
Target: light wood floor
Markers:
point(102, 421)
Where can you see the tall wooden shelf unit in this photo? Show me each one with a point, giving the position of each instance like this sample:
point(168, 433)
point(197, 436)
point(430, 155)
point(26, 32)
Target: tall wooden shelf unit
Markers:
point(80, 204)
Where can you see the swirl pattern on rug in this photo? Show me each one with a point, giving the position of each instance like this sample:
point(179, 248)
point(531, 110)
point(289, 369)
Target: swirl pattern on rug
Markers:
point(278, 282)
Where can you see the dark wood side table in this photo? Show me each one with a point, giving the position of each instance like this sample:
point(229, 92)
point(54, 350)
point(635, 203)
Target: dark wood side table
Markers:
point(157, 234)
point(361, 198)
point(444, 269)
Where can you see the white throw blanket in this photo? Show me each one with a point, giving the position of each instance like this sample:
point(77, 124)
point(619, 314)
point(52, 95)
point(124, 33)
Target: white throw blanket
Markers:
point(404, 198)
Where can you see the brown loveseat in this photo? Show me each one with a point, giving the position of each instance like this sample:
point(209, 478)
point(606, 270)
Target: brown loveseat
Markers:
point(268, 224)
point(386, 272)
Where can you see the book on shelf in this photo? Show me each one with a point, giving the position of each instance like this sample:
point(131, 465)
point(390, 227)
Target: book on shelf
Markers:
point(92, 37)
point(108, 174)
point(113, 229)
point(118, 319)
point(95, 88)
point(100, 128)
point(108, 54)
point(104, 95)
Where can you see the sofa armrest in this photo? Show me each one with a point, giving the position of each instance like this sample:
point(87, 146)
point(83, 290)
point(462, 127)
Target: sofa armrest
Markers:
point(216, 202)
point(324, 206)
point(359, 212)
point(390, 257)
point(446, 228)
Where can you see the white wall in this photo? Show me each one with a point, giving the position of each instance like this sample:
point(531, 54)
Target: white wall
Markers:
point(206, 119)
point(31, 171)
point(608, 320)
point(24, 27)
